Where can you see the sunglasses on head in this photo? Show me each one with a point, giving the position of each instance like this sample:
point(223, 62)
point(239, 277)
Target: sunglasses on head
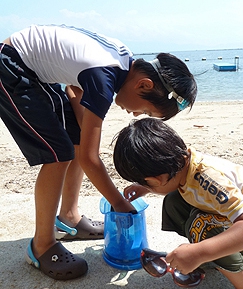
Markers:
point(154, 263)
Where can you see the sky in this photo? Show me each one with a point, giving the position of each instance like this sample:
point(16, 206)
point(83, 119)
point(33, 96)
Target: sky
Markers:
point(145, 26)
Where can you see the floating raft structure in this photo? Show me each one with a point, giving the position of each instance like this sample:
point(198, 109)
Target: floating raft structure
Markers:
point(224, 67)
point(221, 66)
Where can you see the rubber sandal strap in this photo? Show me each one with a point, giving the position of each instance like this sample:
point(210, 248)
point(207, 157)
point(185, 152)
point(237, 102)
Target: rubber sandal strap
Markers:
point(66, 228)
point(30, 258)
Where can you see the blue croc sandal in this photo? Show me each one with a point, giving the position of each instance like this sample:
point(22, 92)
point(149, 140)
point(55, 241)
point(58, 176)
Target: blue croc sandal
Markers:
point(86, 229)
point(57, 262)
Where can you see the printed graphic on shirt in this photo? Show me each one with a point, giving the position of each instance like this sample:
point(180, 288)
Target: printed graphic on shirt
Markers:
point(208, 184)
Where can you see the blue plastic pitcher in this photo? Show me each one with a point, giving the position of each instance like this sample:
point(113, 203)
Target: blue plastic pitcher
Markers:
point(125, 235)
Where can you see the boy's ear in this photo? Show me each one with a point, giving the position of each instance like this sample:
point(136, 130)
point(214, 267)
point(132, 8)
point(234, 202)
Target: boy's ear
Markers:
point(157, 181)
point(145, 83)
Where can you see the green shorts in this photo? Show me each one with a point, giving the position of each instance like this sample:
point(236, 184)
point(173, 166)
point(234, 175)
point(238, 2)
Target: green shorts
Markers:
point(190, 222)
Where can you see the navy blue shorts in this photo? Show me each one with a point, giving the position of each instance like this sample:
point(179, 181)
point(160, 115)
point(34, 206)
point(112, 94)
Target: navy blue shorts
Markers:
point(38, 115)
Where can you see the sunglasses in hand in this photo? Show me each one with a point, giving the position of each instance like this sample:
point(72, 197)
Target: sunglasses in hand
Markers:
point(154, 263)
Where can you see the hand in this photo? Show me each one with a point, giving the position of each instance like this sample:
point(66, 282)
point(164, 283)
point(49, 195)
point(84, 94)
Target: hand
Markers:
point(185, 258)
point(135, 191)
point(123, 206)
point(74, 92)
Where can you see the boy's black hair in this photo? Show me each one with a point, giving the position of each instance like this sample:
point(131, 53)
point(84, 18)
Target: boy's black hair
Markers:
point(148, 148)
point(177, 75)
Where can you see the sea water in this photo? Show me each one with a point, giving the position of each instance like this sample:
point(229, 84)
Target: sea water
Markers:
point(212, 85)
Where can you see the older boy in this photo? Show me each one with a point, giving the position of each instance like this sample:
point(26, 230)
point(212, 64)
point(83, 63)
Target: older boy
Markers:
point(39, 116)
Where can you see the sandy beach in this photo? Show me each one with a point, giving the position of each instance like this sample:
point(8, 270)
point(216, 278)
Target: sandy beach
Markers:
point(210, 127)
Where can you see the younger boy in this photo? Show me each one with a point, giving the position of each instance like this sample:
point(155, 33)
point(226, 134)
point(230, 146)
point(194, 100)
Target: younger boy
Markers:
point(204, 195)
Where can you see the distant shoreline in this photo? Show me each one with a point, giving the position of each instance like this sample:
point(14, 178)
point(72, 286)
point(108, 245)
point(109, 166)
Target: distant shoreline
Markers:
point(221, 101)
point(155, 53)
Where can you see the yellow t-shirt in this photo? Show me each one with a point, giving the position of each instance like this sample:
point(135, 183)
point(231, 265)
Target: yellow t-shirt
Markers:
point(214, 185)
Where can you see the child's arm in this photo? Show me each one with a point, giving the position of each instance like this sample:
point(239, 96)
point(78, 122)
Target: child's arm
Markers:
point(187, 257)
point(93, 165)
point(135, 191)
point(75, 94)
point(90, 161)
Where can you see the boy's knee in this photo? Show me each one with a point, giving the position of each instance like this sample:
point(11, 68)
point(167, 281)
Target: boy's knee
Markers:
point(201, 226)
point(176, 207)
point(175, 213)
point(173, 200)
point(58, 165)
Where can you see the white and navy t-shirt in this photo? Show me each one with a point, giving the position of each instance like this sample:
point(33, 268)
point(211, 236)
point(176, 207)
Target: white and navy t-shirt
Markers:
point(73, 56)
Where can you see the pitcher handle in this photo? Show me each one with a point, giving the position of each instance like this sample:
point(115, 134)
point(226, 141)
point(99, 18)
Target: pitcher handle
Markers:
point(138, 237)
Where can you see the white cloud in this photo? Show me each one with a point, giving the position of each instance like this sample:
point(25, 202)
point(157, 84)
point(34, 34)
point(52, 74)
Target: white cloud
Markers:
point(188, 24)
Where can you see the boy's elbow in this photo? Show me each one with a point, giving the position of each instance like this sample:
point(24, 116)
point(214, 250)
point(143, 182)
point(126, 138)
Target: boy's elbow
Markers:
point(87, 161)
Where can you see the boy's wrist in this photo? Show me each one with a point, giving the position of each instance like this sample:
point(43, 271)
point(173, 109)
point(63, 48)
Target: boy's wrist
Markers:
point(202, 251)
point(123, 206)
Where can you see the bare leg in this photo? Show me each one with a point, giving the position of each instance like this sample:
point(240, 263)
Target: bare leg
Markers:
point(48, 190)
point(69, 208)
point(235, 278)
